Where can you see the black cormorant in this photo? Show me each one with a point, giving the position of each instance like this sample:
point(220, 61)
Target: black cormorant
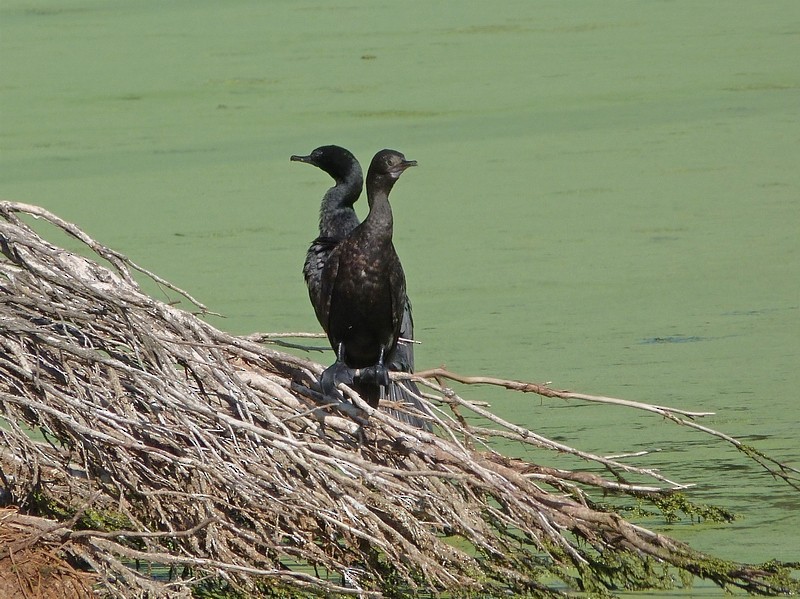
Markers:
point(336, 215)
point(347, 314)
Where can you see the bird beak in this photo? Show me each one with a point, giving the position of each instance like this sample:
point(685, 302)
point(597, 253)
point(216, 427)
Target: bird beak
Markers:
point(295, 158)
point(399, 168)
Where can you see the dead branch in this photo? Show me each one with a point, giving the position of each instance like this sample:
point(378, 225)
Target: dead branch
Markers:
point(147, 435)
point(778, 469)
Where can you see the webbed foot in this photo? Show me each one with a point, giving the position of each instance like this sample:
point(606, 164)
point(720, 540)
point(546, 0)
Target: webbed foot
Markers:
point(336, 373)
point(374, 375)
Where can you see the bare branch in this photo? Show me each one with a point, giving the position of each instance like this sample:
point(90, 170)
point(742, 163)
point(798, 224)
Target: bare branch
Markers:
point(148, 435)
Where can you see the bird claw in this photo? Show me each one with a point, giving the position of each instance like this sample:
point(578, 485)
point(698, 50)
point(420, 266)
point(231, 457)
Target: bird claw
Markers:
point(374, 375)
point(337, 373)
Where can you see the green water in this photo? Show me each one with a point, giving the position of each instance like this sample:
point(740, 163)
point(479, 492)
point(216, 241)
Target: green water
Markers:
point(607, 195)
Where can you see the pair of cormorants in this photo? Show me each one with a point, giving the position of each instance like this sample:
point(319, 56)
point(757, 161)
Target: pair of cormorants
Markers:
point(356, 282)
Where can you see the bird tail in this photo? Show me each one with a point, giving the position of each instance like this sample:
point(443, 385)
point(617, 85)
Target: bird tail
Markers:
point(407, 392)
point(404, 393)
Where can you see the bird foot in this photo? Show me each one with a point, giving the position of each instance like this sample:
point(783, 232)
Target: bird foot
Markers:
point(374, 375)
point(334, 374)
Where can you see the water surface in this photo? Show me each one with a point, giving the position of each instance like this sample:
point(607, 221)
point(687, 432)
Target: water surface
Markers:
point(607, 195)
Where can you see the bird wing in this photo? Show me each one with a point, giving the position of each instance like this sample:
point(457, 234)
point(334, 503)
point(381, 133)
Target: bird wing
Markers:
point(328, 282)
point(316, 259)
point(397, 286)
point(402, 358)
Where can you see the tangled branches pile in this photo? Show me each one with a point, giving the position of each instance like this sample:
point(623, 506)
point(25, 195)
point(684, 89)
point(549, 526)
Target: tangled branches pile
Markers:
point(162, 440)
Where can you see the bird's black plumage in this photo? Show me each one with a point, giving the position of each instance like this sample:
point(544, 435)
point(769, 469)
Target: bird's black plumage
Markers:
point(336, 215)
point(363, 283)
point(363, 314)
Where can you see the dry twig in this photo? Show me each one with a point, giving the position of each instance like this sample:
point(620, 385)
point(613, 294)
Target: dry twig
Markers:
point(168, 441)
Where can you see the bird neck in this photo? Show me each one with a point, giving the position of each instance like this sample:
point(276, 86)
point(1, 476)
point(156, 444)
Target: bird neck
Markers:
point(380, 212)
point(346, 190)
point(354, 180)
point(336, 216)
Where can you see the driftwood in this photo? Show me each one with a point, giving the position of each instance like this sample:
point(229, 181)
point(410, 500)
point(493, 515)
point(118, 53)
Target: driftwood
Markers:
point(169, 454)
